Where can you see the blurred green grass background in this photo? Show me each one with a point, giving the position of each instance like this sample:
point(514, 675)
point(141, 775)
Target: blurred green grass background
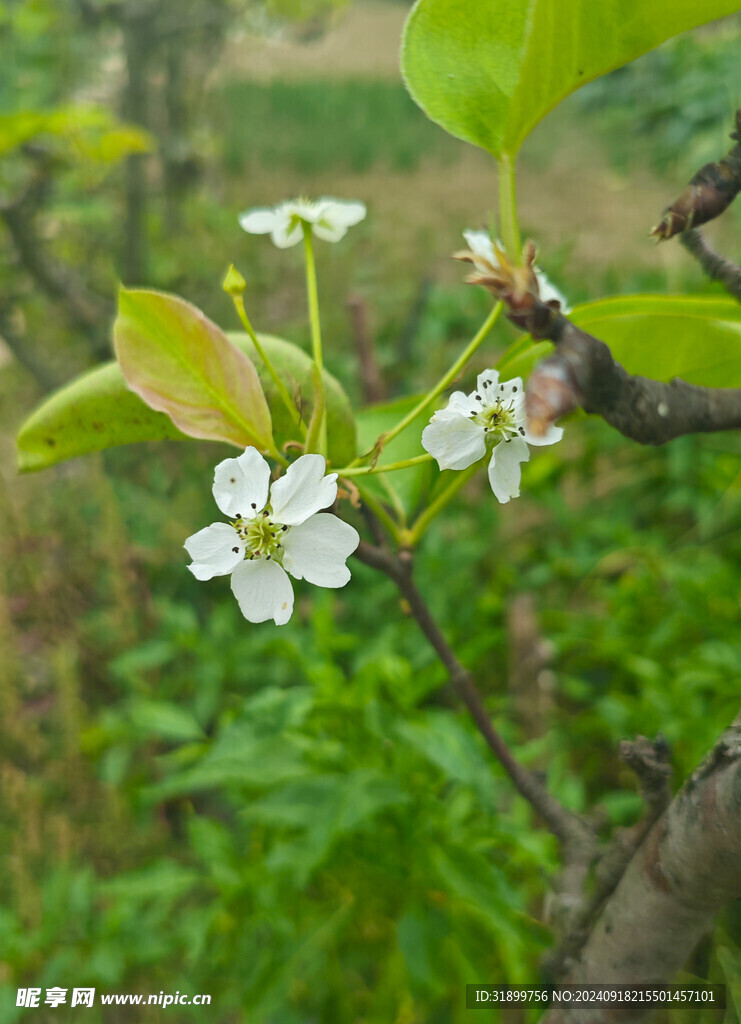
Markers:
point(301, 821)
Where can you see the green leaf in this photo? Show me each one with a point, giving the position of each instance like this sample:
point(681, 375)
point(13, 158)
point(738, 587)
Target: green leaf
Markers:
point(489, 70)
point(160, 718)
point(294, 368)
point(98, 411)
point(182, 364)
point(409, 484)
point(94, 412)
point(697, 338)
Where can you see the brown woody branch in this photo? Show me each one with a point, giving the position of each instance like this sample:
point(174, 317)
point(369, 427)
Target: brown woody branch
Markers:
point(575, 835)
point(686, 869)
point(649, 761)
point(582, 372)
point(715, 266)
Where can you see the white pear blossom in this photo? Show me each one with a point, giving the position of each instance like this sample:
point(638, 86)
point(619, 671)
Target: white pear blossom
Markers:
point(273, 531)
point(492, 418)
point(484, 253)
point(329, 219)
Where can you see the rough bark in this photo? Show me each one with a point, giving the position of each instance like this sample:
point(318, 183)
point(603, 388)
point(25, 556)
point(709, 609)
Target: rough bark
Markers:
point(686, 869)
point(583, 372)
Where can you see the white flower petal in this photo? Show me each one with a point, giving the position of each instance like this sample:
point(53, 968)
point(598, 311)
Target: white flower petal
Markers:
point(513, 389)
point(551, 435)
point(241, 484)
point(317, 550)
point(302, 490)
point(481, 245)
point(549, 291)
point(287, 232)
point(342, 212)
point(328, 231)
point(487, 384)
point(303, 208)
point(259, 221)
point(504, 468)
point(263, 591)
point(215, 551)
point(460, 403)
point(454, 440)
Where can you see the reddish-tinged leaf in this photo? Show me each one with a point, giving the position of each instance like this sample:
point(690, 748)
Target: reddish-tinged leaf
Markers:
point(180, 363)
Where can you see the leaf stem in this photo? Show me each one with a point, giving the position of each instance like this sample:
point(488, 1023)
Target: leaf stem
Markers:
point(508, 208)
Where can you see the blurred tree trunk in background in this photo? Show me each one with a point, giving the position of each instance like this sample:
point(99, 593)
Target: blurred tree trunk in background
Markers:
point(137, 33)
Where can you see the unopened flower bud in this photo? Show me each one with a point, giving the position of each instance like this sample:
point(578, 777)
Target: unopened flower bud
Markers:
point(233, 284)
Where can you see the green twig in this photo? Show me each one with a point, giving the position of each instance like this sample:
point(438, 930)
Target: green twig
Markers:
point(442, 384)
point(389, 467)
point(312, 295)
point(434, 508)
point(280, 386)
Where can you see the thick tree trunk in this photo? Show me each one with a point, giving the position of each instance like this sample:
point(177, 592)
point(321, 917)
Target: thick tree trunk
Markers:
point(686, 869)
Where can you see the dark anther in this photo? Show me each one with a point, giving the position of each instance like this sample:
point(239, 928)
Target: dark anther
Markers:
point(232, 480)
point(514, 389)
point(284, 528)
point(522, 431)
point(478, 398)
point(235, 550)
point(253, 505)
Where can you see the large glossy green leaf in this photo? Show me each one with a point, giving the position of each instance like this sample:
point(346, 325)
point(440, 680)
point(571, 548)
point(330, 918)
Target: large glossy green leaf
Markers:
point(489, 70)
point(98, 411)
point(182, 364)
point(697, 338)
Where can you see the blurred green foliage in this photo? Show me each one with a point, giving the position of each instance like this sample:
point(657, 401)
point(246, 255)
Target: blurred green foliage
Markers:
point(676, 103)
point(301, 821)
point(357, 124)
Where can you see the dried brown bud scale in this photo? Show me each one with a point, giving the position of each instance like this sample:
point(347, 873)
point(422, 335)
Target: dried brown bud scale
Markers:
point(709, 193)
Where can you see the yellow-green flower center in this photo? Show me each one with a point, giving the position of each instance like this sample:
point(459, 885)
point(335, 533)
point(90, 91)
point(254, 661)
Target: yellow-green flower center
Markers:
point(262, 536)
point(498, 420)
